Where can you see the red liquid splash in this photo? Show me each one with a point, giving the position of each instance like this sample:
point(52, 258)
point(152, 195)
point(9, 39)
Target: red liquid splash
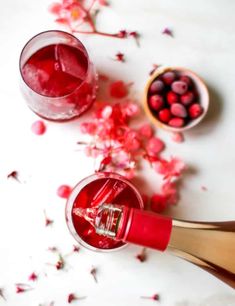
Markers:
point(112, 191)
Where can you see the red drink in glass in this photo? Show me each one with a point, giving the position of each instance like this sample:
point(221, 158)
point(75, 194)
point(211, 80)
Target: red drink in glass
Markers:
point(59, 80)
point(91, 192)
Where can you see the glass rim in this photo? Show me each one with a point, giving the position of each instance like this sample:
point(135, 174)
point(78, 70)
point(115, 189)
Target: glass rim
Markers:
point(70, 201)
point(55, 31)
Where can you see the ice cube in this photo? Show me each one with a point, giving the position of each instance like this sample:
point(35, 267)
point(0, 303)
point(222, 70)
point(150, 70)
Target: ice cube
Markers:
point(71, 60)
point(108, 192)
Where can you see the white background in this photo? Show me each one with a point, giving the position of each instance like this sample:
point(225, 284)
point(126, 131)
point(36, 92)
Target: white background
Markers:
point(204, 41)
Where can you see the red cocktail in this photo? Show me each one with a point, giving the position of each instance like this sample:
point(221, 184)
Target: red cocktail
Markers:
point(91, 192)
point(59, 80)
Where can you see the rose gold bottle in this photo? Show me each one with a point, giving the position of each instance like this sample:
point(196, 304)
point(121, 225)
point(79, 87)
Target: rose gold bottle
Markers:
point(209, 245)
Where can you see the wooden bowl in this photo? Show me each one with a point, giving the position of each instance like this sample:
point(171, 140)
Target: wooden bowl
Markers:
point(200, 87)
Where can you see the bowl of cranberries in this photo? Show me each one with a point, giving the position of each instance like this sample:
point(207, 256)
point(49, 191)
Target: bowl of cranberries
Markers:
point(176, 99)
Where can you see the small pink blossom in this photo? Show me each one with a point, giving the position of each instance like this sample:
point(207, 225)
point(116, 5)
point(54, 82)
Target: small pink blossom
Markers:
point(154, 146)
point(169, 169)
point(177, 137)
point(146, 130)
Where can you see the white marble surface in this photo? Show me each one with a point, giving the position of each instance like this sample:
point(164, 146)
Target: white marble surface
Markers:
point(204, 41)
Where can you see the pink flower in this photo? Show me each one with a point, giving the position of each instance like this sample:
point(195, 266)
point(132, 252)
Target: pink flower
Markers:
point(146, 130)
point(155, 146)
point(169, 169)
point(131, 141)
point(169, 189)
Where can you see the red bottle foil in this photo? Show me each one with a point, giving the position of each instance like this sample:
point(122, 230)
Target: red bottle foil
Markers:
point(144, 228)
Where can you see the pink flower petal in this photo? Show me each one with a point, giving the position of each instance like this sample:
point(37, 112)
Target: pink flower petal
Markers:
point(155, 146)
point(177, 137)
point(146, 130)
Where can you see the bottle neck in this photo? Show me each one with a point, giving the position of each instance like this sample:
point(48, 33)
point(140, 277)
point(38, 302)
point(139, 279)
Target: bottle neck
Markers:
point(129, 225)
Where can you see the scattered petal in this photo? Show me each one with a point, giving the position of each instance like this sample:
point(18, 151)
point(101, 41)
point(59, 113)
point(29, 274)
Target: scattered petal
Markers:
point(142, 256)
point(76, 249)
point(21, 288)
point(38, 127)
point(154, 146)
point(122, 34)
point(177, 137)
point(33, 277)
point(168, 32)
point(14, 175)
point(120, 57)
point(94, 274)
point(146, 130)
point(204, 188)
point(47, 220)
point(118, 89)
point(71, 298)
point(154, 297)
point(2, 294)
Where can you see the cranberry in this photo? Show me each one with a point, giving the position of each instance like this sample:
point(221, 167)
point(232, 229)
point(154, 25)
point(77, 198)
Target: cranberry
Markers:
point(156, 102)
point(64, 191)
point(172, 97)
point(168, 77)
point(179, 87)
point(165, 115)
point(38, 127)
point(187, 98)
point(156, 87)
point(178, 110)
point(195, 110)
point(186, 79)
point(176, 122)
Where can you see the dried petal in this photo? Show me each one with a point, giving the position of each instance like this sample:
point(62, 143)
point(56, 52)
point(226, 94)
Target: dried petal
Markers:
point(118, 89)
point(154, 297)
point(120, 57)
point(94, 274)
point(71, 297)
point(168, 32)
point(178, 137)
point(142, 255)
point(33, 277)
point(2, 294)
point(14, 175)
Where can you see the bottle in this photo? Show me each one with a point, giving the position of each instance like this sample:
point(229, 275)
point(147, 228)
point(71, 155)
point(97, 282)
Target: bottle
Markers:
point(209, 245)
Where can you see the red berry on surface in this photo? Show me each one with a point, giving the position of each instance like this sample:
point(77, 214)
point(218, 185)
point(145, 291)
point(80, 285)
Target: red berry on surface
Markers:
point(176, 122)
point(178, 110)
point(156, 87)
point(186, 79)
point(168, 77)
point(195, 110)
point(165, 115)
point(64, 191)
point(172, 97)
point(156, 102)
point(187, 98)
point(179, 87)
point(38, 127)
